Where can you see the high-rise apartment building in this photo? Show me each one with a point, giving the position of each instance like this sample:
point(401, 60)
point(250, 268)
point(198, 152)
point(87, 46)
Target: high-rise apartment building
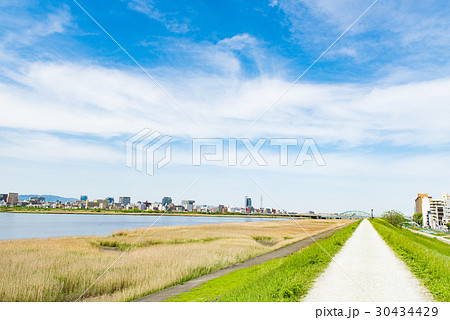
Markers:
point(446, 199)
point(12, 199)
point(248, 202)
point(423, 206)
point(166, 201)
point(435, 212)
point(125, 201)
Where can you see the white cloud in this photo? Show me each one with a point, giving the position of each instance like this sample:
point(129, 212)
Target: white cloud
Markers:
point(239, 42)
point(75, 98)
point(37, 146)
point(148, 8)
point(29, 30)
point(412, 33)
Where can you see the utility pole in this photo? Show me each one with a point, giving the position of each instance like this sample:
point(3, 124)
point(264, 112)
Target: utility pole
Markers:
point(261, 202)
point(371, 213)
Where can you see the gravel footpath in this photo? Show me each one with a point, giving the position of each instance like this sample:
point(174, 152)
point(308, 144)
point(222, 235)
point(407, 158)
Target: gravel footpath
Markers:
point(372, 273)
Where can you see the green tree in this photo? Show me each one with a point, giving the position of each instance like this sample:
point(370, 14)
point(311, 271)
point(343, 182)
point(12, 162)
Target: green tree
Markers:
point(394, 217)
point(417, 217)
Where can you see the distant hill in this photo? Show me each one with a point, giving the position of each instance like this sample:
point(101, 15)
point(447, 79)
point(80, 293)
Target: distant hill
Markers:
point(48, 198)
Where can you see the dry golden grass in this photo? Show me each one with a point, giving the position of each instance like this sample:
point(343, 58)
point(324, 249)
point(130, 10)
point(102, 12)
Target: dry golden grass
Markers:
point(60, 269)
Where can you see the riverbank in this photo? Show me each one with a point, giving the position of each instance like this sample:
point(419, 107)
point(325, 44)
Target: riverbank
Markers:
point(282, 279)
point(445, 238)
point(187, 287)
point(137, 213)
point(60, 269)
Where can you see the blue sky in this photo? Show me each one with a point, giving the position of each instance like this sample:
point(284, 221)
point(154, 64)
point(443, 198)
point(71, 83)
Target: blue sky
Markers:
point(377, 104)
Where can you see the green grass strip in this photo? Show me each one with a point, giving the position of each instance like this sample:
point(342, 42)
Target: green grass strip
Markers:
point(283, 279)
point(428, 258)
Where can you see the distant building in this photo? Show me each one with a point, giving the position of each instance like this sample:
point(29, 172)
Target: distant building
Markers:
point(37, 200)
point(91, 205)
point(125, 201)
point(141, 206)
point(235, 210)
point(202, 208)
point(221, 208)
point(156, 206)
point(3, 197)
point(110, 200)
point(12, 199)
point(83, 198)
point(437, 209)
point(248, 202)
point(188, 205)
point(101, 204)
point(25, 203)
point(422, 204)
point(435, 212)
point(177, 208)
point(148, 205)
point(166, 201)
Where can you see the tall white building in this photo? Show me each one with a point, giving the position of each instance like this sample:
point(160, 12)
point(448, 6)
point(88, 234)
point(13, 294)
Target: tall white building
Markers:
point(446, 199)
point(435, 212)
point(423, 207)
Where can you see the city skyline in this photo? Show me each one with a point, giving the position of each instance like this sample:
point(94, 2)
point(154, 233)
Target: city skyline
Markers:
point(376, 104)
point(41, 198)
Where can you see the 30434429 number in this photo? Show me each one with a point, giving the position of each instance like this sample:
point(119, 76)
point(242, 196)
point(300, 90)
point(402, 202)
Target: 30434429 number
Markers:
point(403, 311)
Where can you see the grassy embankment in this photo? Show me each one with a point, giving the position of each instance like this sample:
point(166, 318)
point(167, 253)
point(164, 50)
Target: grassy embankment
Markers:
point(60, 269)
point(284, 279)
point(428, 258)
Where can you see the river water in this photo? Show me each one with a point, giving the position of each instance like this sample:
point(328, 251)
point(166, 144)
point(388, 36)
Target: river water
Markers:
point(39, 225)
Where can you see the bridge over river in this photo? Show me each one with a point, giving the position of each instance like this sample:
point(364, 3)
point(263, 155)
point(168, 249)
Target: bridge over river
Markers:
point(351, 214)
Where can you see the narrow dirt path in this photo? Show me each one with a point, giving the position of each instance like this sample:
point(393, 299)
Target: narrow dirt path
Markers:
point(278, 253)
point(366, 269)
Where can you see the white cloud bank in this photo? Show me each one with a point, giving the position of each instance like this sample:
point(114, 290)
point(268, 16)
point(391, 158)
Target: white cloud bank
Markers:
point(74, 98)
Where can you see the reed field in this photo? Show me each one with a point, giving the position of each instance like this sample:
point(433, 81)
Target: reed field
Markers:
point(278, 280)
point(61, 269)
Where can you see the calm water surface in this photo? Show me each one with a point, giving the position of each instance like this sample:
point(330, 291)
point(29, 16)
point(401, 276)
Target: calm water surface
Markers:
point(35, 225)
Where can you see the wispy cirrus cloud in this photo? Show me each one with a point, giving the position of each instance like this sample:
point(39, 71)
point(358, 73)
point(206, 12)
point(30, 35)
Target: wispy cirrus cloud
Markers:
point(29, 29)
point(149, 8)
point(400, 33)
